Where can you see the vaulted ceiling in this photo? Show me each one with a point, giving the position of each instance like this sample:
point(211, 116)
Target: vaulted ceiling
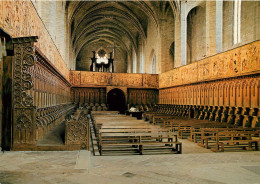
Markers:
point(122, 23)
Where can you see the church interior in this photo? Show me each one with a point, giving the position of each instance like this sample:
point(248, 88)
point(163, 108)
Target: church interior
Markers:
point(130, 91)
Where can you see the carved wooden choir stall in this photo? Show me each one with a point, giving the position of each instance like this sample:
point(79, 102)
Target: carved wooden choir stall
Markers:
point(214, 112)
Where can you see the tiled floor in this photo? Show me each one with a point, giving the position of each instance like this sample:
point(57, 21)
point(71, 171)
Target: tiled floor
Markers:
point(195, 165)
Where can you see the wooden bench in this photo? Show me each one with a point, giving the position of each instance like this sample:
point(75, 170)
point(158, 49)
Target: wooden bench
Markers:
point(116, 132)
point(236, 138)
point(191, 130)
point(224, 135)
point(140, 140)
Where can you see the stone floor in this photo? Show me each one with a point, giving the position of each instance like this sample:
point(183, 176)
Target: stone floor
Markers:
point(195, 165)
point(54, 136)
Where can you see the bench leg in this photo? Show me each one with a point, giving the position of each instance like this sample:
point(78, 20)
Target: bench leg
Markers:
point(249, 148)
point(206, 144)
point(179, 148)
point(141, 149)
point(256, 146)
point(222, 146)
point(100, 150)
point(169, 140)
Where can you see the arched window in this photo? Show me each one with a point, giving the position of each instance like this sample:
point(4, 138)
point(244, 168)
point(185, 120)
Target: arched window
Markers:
point(154, 64)
point(237, 22)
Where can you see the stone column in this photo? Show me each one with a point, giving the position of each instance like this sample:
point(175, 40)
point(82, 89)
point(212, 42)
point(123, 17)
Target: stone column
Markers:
point(219, 26)
point(138, 56)
point(210, 28)
point(183, 34)
point(141, 64)
point(177, 47)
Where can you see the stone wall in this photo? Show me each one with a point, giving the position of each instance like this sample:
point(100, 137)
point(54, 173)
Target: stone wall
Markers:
point(84, 57)
point(152, 45)
point(250, 17)
point(227, 24)
point(20, 19)
point(196, 34)
point(167, 29)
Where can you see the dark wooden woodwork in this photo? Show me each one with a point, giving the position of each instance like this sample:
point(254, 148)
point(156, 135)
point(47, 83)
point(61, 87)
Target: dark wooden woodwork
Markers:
point(40, 95)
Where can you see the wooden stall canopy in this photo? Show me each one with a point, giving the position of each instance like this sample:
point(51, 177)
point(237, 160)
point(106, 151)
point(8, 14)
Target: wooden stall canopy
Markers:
point(227, 79)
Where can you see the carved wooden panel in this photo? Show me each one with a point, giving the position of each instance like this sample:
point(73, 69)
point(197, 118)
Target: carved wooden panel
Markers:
point(91, 79)
point(23, 109)
point(88, 95)
point(41, 95)
point(78, 131)
point(142, 96)
point(240, 92)
point(49, 89)
point(236, 62)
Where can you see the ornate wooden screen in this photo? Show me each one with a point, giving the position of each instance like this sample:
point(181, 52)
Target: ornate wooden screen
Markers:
point(23, 109)
point(40, 94)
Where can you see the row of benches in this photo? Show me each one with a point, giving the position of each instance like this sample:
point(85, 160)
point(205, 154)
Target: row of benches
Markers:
point(222, 133)
point(120, 133)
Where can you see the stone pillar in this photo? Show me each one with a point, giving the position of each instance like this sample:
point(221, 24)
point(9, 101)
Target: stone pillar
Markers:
point(130, 63)
point(67, 40)
point(183, 34)
point(138, 56)
point(141, 62)
point(177, 51)
point(219, 26)
point(134, 61)
point(210, 28)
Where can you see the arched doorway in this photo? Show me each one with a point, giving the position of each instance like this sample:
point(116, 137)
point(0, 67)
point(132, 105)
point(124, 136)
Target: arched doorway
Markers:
point(116, 100)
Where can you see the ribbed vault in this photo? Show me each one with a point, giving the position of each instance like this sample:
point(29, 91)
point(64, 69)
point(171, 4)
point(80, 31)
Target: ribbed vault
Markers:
point(112, 23)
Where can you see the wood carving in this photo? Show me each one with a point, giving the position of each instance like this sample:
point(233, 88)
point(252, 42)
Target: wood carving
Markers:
point(20, 19)
point(23, 109)
point(243, 60)
point(240, 91)
point(92, 79)
point(78, 130)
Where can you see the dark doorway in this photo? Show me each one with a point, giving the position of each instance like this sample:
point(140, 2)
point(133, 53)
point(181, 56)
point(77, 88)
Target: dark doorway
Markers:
point(116, 101)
